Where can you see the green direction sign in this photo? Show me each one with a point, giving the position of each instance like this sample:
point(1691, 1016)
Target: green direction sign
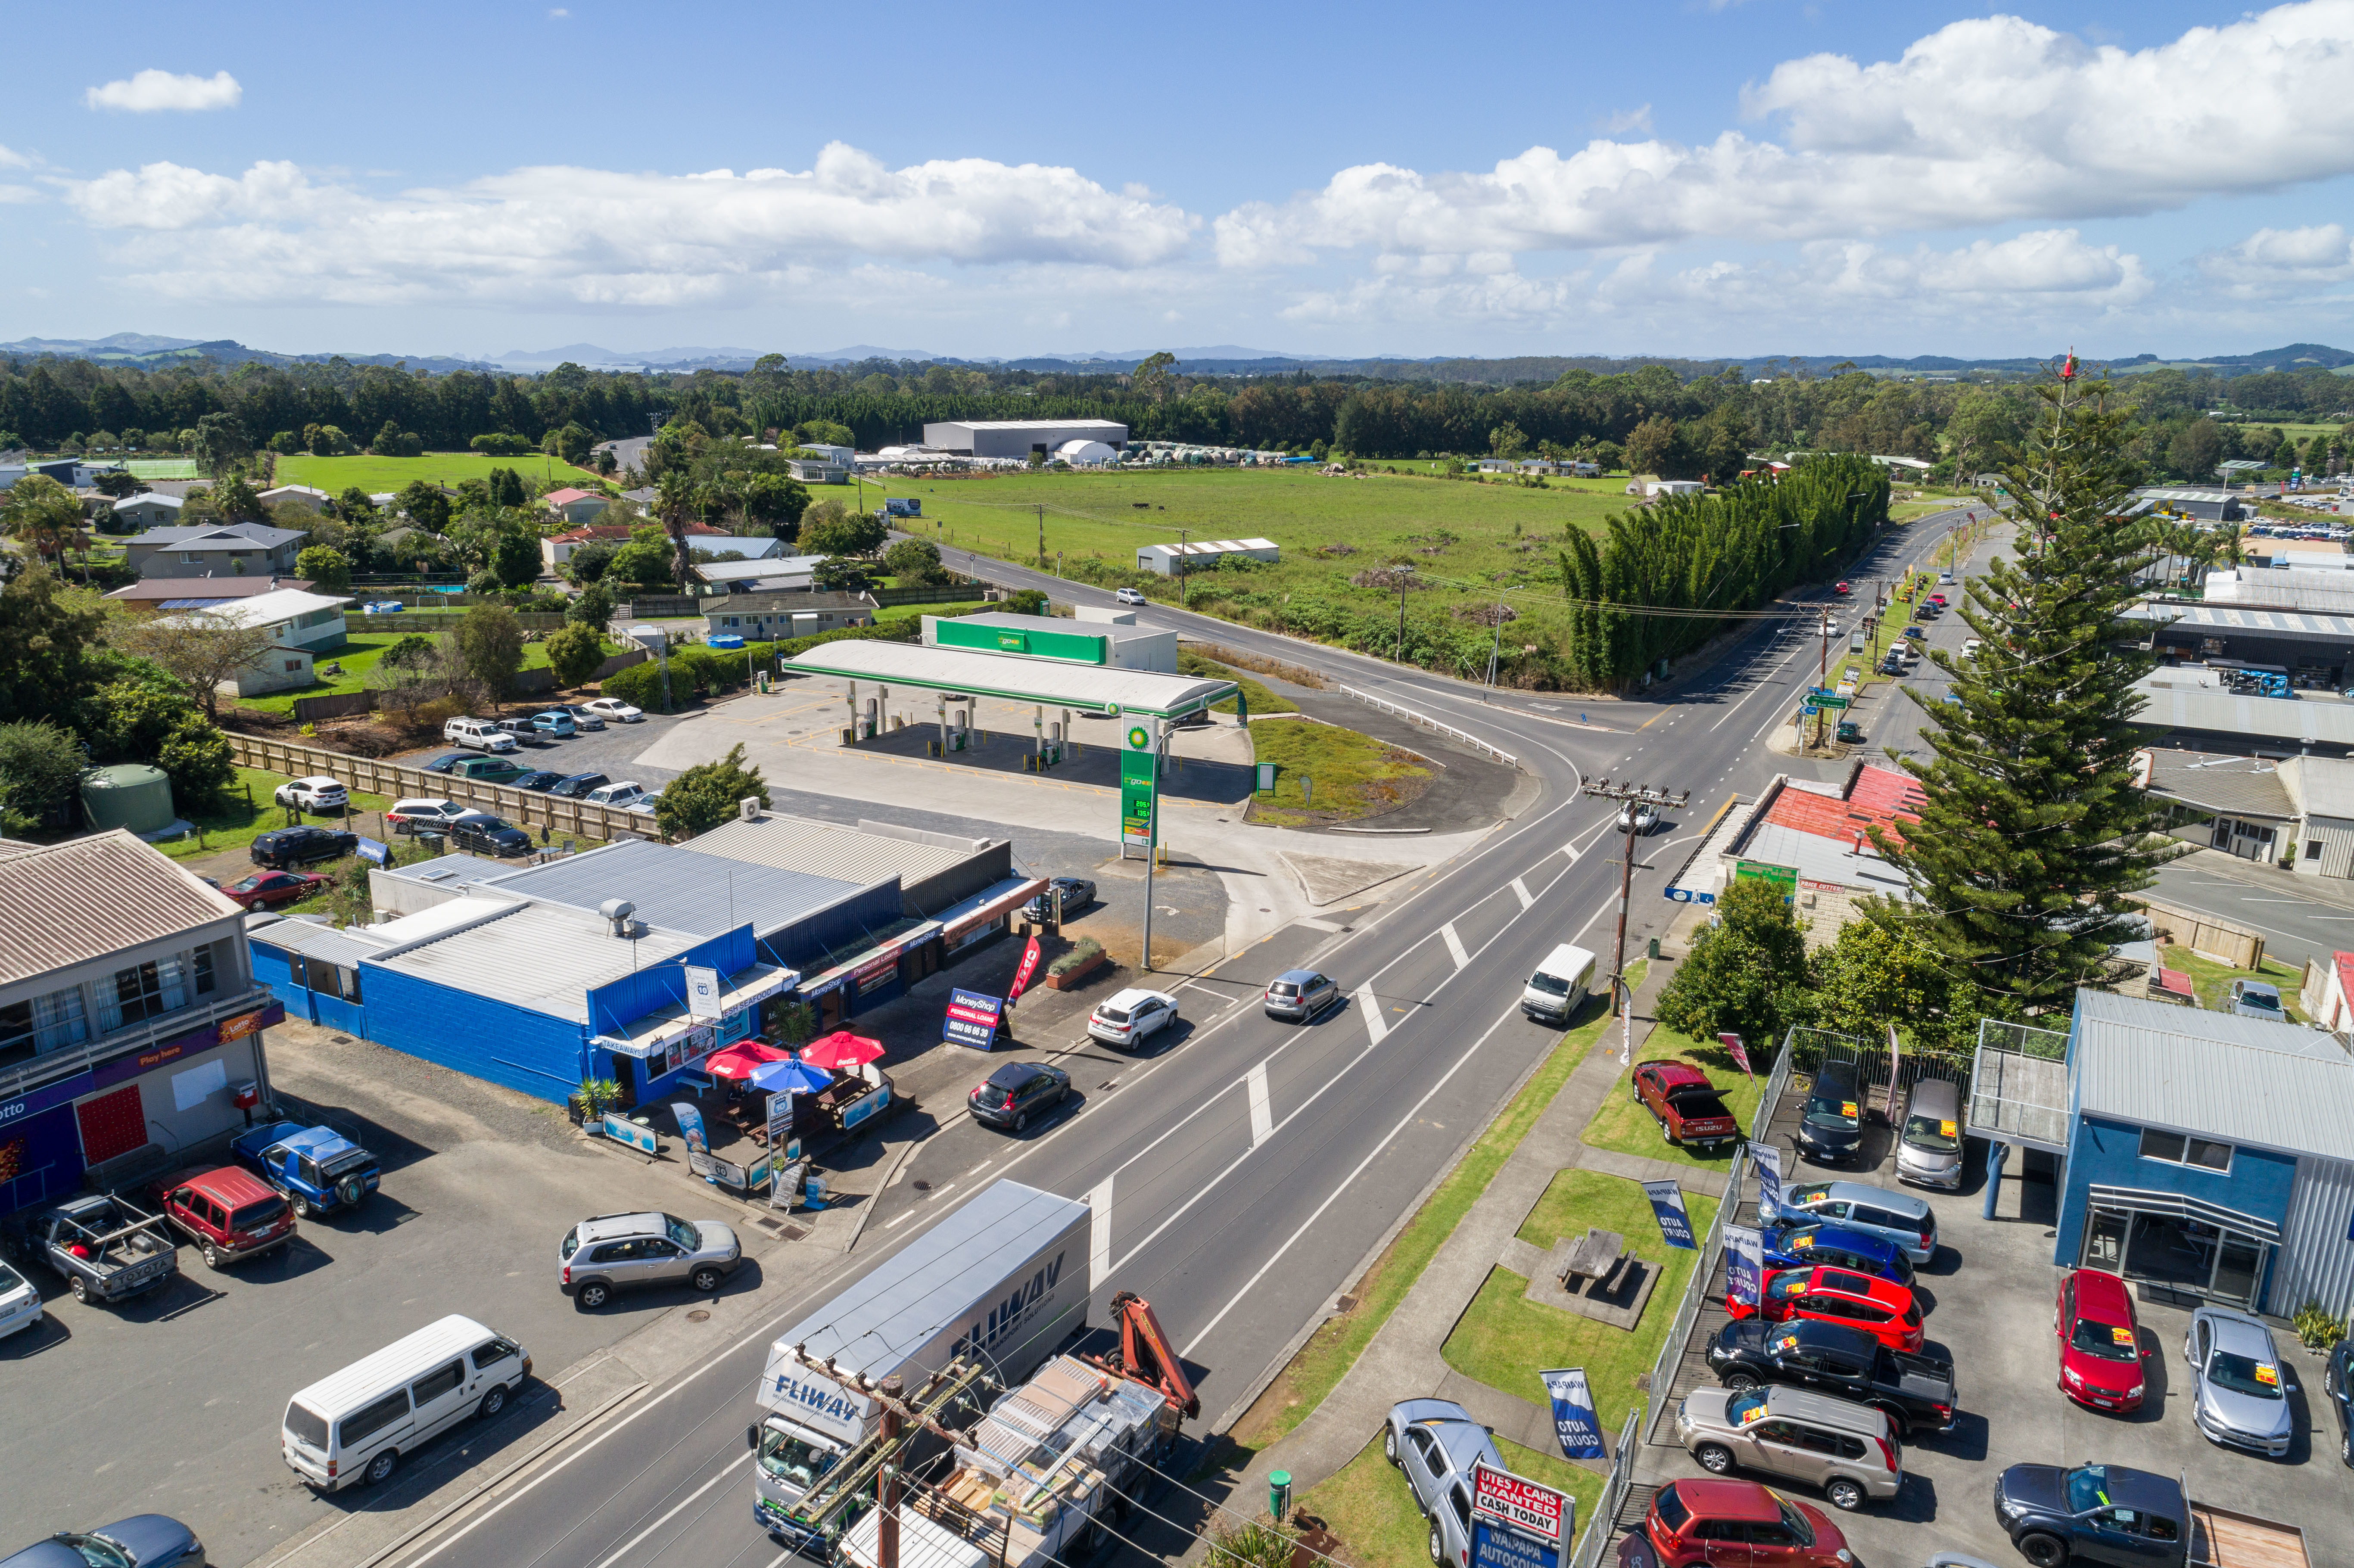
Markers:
point(1829, 700)
point(1783, 877)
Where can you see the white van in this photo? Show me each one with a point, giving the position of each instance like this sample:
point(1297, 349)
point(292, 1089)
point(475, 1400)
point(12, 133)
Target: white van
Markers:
point(480, 733)
point(1558, 987)
point(354, 1424)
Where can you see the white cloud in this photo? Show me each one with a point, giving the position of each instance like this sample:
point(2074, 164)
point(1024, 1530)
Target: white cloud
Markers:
point(2272, 263)
point(152, 90)
point(553, 236)
point(1983, 122)
point(12, 159)
point(557, 14)
point(1628, 119)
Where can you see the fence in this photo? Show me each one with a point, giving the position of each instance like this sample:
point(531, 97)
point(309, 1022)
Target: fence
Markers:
point(1473, 741)
point(2238, 947)
point(308, 710)
point(1808, 1049)
point(523, 808)
point(652, 606)
point(950, 593)
point(1594, 1539)
point(427, 620)
point(1703, 1275)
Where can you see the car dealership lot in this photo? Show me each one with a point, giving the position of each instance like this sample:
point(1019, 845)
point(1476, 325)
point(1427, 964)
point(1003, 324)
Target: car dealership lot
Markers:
point(1989, 1296)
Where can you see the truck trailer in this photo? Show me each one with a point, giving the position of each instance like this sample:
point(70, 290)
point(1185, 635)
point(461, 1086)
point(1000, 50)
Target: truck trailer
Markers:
point(1002, 1281)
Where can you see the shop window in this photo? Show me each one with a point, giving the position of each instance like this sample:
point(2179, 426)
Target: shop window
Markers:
point(2175, 1149)
point(2313, 849)
point(42, 1023)
point(142, 992)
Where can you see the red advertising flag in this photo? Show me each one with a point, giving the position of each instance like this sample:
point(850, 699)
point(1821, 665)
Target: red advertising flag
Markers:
point(1732, 1043)
point(1022, 975)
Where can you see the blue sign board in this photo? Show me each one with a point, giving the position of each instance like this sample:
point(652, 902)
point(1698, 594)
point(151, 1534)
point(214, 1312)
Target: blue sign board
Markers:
point(1574, 1421)
point(972, 1019)
point(621, 1130)
point(1500, 1546)
point(1668, 1203)
point(375, 852)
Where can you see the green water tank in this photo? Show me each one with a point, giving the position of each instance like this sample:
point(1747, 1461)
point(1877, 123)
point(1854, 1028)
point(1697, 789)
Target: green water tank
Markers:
point(131, 795)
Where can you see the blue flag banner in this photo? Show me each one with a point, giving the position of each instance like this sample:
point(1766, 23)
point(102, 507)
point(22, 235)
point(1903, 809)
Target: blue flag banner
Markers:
point(1574, 1421)
point(1668, 1203)
point(1768, 1161)
point(1744, 1264)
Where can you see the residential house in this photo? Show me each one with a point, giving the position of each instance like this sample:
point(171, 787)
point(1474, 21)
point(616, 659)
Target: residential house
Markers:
point(2327, 995)
point(772, 617)
point(308, 497)
point(555, 549)
point(198, 593)
point(1813, 840)
point(148, 510)
point(302, 625)
point(821, 470)
point(216, 549)
point(577, 507)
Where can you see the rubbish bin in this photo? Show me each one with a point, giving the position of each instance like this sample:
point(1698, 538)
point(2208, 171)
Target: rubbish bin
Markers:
point(1655, 948)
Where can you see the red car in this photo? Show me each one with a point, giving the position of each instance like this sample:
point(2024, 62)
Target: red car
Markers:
point(1938, 599)
point(264, 888)
point(1685, 1105)
point(227, 1212)
point(2100, 1341)
point(1838, 587)
point(1880, 1308)
point(1703, 1523)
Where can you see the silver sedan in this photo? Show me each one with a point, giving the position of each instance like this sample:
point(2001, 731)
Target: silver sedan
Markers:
point(2239, 1393)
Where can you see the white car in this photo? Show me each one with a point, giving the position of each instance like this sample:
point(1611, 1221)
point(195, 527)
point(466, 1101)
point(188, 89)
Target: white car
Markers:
point(20, 1302)
point(620, 795)
point(1944, 580)
point(317, 793)
point(1128, 1017)
point(613, 708)
point(431, 811)
point(1640, 815)
point(1130, 595)
point(643, 806)
point(1970, 646)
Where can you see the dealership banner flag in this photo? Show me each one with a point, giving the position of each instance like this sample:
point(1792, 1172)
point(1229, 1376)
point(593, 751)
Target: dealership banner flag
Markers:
point(1768, 1161)
point(1740, 1052)
point(1574, 1421)
point(1668, 1203)
point(1022, 975)
point(1744, 1264)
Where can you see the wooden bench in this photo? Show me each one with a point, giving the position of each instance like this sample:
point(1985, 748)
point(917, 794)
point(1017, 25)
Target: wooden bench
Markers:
point(1602, 1254)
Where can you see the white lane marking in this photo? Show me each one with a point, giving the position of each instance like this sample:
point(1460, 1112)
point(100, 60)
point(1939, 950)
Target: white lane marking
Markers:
point(902, 1215)
point(1371, 1006)
point(1520, 891)
point(1455, 943)
point(1571, 851)
point(1099, 1235)
point(1262, 1115)
point(1306, 1225)
point(675, 1509)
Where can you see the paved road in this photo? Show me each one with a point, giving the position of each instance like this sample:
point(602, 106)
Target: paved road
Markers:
point(1241, 1172)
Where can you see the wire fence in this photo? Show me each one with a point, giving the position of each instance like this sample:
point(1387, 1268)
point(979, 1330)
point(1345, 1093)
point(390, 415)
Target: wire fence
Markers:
point(1594, 1539)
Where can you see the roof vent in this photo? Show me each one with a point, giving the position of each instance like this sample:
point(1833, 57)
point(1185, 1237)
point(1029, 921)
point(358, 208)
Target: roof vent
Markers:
point(618, 911)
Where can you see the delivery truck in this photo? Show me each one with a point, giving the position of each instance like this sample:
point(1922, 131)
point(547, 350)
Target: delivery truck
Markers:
point(1002, 1280)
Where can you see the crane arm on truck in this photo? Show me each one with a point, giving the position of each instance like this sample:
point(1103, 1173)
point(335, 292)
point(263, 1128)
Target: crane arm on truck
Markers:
point(1145, 1355)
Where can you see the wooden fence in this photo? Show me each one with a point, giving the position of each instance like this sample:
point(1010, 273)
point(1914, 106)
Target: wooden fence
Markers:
point(523, 808)
point(651, 606)
point(428, 621)
point(2236, 945)
point(946, 593)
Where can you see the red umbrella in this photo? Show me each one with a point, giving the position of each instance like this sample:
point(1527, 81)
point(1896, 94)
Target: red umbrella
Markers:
point(738, 1060)
point(841, 1049)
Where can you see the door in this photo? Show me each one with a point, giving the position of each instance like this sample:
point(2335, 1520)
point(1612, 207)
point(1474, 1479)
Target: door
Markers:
point(663, 1260)
point(1782, 1448)
point(1423, 1465)
point(439, 1397)
point(2105, 1242)
point(1772, 1543)
point(1723, 1543)
point(623, 1263)
point(2239, 1266)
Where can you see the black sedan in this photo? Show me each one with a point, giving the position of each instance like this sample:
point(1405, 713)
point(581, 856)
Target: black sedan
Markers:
point(577, 785)
point(1078, 894)
point(299, 846)
point(542, 781)
point(1831, 1129)
point(143, 1541)
point(1011, 1096)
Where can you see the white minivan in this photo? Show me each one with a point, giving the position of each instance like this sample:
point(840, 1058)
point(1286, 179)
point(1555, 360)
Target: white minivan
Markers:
point(1557, 990)
point(354, 1424)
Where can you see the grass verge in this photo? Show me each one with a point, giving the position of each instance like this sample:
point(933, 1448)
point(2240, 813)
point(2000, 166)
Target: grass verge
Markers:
point(375, 474)
point(1370, 1508)
point(358, 655)
point(1335, 1346)
point(1261, 700)
point(1504, 1340)
point(2212, 981)
point(245, 811)
point(1628, 1127)
point(1327, 774)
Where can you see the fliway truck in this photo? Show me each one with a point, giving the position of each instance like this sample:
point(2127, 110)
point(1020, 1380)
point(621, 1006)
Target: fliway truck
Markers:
point(1002, 1282)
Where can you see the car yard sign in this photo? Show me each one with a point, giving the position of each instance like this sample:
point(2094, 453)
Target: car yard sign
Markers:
point(1520, 1524)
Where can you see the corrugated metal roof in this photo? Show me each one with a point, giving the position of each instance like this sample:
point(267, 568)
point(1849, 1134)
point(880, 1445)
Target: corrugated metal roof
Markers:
point(2321, 786)
point(542, 957)
point(1819, 858)
point(2243, 785)
point(344, 948)
point(681, 892)
point(2217, 712)
point(1015, 676)
point(2278, 1085)
point(68, 903)
point(826, 850)
point(2214, 617)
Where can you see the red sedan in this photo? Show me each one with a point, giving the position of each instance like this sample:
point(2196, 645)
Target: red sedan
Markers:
point(1880, 1308)
point(2100, 1341)
point(265, 888)
point(1838, 587)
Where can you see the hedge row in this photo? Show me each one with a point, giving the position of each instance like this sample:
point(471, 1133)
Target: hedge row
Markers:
point(697, 670)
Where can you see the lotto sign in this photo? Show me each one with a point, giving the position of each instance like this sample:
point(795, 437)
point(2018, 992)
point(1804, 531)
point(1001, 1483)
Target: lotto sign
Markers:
point(1525, 1506)
point(971, 1019)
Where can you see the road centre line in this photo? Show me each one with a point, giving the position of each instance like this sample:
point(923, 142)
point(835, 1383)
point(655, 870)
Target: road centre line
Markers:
point(676, 1507)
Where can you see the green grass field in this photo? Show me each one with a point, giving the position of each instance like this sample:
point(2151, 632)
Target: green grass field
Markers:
point(1260, 699)
point(161, 468)
point(245, 811)
point(1368, 1506)
point(375, 474)
point(2212, 981)
point(358, 655)
point(1348, 775)
point(1626, 1126)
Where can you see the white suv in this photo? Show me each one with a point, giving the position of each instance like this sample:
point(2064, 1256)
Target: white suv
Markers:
point(480, 733)
point(317, 793)
point(619, 796)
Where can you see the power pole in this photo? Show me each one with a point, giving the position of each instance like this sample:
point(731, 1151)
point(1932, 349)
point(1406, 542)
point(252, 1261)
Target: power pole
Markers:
point(886, 1512)
point(1403, 574)
point(1822, 669)
point(1183, 534)
point(1495, 652)
point(1629, 796)
point(1042, 538)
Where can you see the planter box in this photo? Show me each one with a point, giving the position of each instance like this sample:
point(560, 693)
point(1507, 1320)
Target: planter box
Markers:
point(1071, 979)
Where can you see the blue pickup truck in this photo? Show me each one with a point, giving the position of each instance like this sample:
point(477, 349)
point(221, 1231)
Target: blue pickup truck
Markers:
point(318, 1168)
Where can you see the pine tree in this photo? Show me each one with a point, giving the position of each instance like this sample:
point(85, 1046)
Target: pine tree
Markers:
point(2033, 836)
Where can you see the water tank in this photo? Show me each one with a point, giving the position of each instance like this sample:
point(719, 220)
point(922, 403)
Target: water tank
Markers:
point(131, 795)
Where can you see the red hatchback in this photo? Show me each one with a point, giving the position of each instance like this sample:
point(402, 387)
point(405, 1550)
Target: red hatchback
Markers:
point(226, 1211)
point(1881, 1307)
point(2100, 1341)
point(264, 888)
point(1702, 1523)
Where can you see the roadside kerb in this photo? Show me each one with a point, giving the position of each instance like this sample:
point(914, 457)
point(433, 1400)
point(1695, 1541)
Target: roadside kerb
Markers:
point(372, 776)
point(1473, 741)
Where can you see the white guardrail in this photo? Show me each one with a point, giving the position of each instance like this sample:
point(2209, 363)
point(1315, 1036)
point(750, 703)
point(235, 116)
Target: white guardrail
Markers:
point(1473, 741)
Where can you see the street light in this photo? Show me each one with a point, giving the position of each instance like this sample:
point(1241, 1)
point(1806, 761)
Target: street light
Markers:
point(1495, 652)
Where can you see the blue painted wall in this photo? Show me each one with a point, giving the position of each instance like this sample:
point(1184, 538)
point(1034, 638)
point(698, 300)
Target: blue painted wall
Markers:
point(531, 1052)
point(2104, 1152)
point(614, 1006)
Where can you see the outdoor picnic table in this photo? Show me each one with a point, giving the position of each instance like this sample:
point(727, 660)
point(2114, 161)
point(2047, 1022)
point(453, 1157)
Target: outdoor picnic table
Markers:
point(1596, 1255)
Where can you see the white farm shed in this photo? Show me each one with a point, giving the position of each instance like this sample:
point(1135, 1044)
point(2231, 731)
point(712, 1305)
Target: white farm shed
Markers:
point(1200, 556)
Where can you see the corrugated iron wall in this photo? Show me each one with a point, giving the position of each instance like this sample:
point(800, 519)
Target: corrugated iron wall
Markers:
point(2316, 1259)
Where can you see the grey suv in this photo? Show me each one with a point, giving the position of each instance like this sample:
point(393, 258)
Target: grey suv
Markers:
point(613, 1252)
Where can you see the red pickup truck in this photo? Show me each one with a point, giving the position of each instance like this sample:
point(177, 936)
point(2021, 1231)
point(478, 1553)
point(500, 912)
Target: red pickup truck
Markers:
point(1685, 1103)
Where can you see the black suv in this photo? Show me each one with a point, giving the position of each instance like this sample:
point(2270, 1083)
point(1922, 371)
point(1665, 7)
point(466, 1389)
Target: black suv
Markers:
point(488, 835)
point(1831, 1129)
point(2338, 1383)
point(1916, 1393)
point(1015, 1093)
point(579, 785)
point(283, 847)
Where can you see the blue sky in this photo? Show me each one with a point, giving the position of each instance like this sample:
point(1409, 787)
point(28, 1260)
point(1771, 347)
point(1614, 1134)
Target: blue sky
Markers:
point(1707, 177)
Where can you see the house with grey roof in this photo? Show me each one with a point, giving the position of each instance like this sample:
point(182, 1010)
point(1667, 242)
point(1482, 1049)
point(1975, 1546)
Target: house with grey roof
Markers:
point(215, 549)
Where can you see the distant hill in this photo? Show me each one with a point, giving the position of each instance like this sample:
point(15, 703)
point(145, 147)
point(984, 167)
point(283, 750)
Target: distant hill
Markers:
point(149, 352)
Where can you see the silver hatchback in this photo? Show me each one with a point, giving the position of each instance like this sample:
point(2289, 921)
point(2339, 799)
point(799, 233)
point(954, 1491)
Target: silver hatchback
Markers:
point(617, 1252)
point(1298, 995)
point(2240, 1396)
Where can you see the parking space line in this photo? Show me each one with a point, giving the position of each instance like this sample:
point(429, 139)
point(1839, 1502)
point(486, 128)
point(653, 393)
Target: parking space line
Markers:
point(1455, 943)
point(1520, 891)
point(1262, 1118)
point(894, 1219)
point(1370, 1006)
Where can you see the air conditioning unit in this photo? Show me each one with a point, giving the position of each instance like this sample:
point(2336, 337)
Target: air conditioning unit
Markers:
point(748, 808)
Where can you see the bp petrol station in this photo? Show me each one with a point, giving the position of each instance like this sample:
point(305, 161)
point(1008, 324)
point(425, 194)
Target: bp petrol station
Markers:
point(1145, 705)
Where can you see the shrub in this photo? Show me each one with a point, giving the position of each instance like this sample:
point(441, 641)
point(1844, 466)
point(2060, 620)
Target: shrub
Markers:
point(640, 684)
point(1084, 951)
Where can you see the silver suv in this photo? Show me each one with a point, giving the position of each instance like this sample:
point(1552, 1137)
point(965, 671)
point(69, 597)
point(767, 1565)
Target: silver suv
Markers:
point(613, 1252)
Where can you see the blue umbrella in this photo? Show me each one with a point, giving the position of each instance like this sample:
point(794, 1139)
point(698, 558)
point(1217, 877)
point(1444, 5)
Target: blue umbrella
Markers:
point(789, 1077)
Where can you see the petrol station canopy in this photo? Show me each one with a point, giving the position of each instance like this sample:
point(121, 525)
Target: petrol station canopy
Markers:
point(1014, 678)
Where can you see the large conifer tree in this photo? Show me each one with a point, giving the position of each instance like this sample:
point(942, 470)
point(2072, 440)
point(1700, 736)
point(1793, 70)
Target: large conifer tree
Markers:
point(2033, 837)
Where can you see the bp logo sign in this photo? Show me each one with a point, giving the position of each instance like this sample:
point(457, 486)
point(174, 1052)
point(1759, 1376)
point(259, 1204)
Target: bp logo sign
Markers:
point(1138, 737)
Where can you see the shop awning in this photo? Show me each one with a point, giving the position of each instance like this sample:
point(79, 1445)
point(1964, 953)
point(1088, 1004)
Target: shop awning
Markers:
point(2174, 1205)
point(651, 1034)
point(998, 899)
point(871, 962)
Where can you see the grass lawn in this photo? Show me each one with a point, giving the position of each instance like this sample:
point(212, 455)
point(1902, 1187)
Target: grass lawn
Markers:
point(1348, 775)
point(915, 611)
point(1504, 1340)
point(1623, 1125)
point(245, 812)
point(375, 474)
point(2212, 981)
point(1340, 1340)
point(1368, 1506)
point(1260, 699)
point(358, 655)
